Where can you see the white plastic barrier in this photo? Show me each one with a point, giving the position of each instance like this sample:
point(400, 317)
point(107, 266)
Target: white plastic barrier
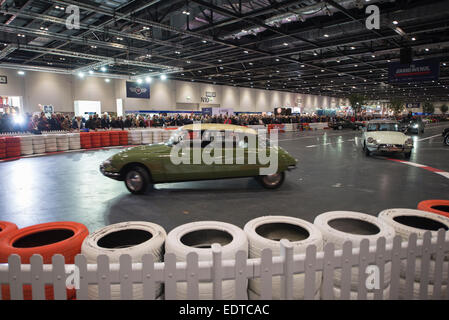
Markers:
point(38, 144)
point(62, 142)
point(166, 134)
point(50, 143)
point(26, 145)
point(157, 135)
point(147, 137)
point(319, 125)
point(135, 137)
point(74, 141)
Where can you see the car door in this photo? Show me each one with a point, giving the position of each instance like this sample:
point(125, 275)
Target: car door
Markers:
point(193, 166)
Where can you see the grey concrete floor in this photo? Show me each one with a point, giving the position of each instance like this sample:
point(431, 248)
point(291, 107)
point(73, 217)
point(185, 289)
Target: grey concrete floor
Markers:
point(333, 174)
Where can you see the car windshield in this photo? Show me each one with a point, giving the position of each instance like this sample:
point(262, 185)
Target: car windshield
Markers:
point(390, 126)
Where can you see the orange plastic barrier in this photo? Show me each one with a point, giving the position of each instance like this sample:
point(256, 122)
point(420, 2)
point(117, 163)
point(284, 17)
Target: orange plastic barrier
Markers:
point(12, 147)
point(2, 148)
point(6, 227)
point(96, 139)
point(123, 138)
point(85, 140)
point(440, 207)
point(115, 138)
point(46, 239)
point(105, 139)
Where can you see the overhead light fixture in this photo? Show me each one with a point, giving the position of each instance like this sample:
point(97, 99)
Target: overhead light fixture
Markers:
point(245, 51)
point(427, 49)
point(285, 44)
point(107, 80)
point(139, 81)
point(188, 61)
point(148, 79)
point(204, 41)
point(81, 75)
point(21, 73)
point(91, 72)
point(413, 39)
point(163, 77)
point(326, 35)
point(103, 69)
point(395, 22)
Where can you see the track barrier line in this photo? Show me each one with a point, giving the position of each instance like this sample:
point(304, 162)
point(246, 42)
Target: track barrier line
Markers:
point(431, 169)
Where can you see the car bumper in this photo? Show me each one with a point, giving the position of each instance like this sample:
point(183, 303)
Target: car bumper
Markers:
point(403, 149)
point(110, 174)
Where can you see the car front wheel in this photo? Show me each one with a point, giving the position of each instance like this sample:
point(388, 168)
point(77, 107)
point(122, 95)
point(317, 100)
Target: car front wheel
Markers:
point(272, 181)
point(137, 180)
point(366, 150)
point(446, 140)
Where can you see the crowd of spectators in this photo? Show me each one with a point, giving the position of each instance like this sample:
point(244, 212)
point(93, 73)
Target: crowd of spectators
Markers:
point(60, 122)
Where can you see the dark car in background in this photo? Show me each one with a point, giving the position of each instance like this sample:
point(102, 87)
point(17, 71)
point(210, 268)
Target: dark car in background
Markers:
point(415, 126)
point(342, 124)
point(446, 136)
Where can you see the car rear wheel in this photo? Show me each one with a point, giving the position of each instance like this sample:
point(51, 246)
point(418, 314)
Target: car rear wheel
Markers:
point(340, 127)
point(272, 181)
point(446, 140)
point(137, 180)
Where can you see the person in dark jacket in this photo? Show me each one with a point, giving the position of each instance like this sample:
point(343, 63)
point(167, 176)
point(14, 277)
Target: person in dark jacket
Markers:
point(54, 123)
point(91, 124)
point(105, 123)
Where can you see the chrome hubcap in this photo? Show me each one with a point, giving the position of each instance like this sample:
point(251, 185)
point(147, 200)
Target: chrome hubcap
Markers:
point(134, 180)
point(273, 179)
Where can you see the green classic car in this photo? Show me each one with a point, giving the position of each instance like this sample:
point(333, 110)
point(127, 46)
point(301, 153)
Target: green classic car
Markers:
point(191, 154)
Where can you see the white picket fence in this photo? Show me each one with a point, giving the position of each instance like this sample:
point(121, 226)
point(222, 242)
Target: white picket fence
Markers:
point(170, 272)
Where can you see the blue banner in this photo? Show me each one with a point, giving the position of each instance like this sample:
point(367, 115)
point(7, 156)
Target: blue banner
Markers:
point(135, 90)
point(417, 71)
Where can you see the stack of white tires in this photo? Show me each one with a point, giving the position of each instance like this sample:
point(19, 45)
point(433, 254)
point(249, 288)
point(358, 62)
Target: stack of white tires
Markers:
point(135, 239)
point(62, 142)
point(135, 137)
point(266, 233)
point(199, 237)
point(339, 227)
point(39, 144)
point(157, 136)
point(406, 222)
point(147, 137)
point(74, 141)
point(26, 145)
point(166, 134)
point(50, 143)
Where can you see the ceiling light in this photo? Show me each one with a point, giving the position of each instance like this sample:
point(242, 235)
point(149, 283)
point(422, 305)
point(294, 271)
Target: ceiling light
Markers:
point(163, 77)
point(21, 73)
point(204, 41)
point(326, 35)
point(413, 39)
point(148, 79)
point(91, 72)
point(81, 75)
point(352, 48)
point(103, 69)
point(188, 61)
point(245, 51)
point(427, 49)
point(395, 22)
point(139, 81)
point(107, 80)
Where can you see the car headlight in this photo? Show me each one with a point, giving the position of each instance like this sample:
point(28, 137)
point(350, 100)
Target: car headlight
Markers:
point(107, 163)
point(372, 140)
point(415, 126)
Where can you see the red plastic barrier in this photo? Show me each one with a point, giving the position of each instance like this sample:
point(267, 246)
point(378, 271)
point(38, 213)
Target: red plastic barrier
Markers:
point(12, 147)
point(105, 139)
point(123, 138)
point(115, 138)
point(85, 140)
point(2, 148)
point(96, 139)
point(47, 239)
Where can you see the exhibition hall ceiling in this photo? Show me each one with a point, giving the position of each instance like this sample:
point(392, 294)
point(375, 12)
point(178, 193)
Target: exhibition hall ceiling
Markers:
point(311, 47)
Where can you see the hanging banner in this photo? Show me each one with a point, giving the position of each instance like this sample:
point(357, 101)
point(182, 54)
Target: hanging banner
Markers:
point(413, 105)
point(135, 90)
point(418, 71)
